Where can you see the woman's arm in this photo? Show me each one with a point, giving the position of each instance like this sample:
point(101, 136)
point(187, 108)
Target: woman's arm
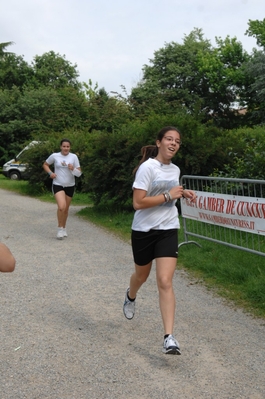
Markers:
point(47, 169)
point(141, 201)
point(7, 260)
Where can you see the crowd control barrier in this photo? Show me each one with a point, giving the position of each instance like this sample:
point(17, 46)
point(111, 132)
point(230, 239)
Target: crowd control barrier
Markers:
point(227, 211)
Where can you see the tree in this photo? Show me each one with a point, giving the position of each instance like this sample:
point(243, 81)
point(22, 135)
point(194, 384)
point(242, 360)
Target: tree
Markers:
point(106, 112)
point(14, 71)
point(53, 70)
point(257, 29)
point(173, 76)
point(196, 77)
point(255, 72)
point(40, 98)
point(3, 46)
point(223, 69)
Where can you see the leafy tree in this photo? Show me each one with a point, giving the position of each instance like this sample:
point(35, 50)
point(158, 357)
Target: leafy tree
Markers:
point(109, 159)
point(53, 70)
point(196, 77)
point(223, 69)
point(44, 97)
point(3, 46)
point(255, 72)
point(173, 75)
point(40, 111)
point(107, 113)
point(14, 71)
point(246, 153)
point(257, 29)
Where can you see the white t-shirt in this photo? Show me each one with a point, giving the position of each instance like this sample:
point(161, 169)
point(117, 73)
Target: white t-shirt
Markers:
point(64, 176)
point(156, 178)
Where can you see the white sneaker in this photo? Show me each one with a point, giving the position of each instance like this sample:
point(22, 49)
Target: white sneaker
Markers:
point(128, 307)
point(60, 233)
point(64, 232)
point(171, 346)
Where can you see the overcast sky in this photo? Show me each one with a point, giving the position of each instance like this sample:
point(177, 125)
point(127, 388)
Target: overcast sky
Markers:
point(111, 40)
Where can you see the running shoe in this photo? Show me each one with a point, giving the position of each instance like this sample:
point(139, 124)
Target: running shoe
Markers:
point(64, 232)
point(60, 233)
point(171, 346)
point(128, 306)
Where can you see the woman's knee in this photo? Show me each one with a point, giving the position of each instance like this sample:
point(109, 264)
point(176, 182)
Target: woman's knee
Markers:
point(141, 278)
point(164, 283)
point(142, 273)
point(62, 207)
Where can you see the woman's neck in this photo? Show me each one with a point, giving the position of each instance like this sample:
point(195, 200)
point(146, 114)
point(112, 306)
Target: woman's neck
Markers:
point(163, 161)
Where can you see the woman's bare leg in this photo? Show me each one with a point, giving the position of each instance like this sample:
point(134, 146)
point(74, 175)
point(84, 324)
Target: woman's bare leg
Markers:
point(63, 203)
point(165, 269)
point(138, 278)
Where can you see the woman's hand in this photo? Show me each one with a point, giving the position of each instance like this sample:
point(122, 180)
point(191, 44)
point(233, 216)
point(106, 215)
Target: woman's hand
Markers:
point(190, 195)
point(176, 192)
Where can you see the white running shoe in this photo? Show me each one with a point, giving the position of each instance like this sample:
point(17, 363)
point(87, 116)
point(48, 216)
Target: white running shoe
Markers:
point(171, 346)
point(64, 232)
point(60, 233)
point(128, 306)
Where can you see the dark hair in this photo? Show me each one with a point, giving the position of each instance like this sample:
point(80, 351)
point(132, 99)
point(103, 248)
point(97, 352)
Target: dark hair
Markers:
point(65, 140)
point(151, 151)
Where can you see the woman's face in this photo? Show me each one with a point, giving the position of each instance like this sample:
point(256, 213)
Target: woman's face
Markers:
point(169, 145)
point(65, 148)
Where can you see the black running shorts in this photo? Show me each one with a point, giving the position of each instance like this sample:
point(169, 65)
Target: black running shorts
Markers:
point(69, 191)
point(154, 244)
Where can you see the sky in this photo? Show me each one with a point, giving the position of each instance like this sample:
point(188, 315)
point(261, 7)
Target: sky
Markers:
point(111, 40)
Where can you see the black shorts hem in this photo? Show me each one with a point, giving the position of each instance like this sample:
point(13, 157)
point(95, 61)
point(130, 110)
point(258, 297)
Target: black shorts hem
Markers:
point(147, 246)
point(69, 191)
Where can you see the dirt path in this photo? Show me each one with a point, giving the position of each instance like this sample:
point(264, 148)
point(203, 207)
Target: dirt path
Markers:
point(64, 336)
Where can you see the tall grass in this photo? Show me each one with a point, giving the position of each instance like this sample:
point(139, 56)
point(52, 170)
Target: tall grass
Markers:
point(236, 275)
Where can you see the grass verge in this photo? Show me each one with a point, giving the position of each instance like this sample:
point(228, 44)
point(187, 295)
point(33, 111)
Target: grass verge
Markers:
point(236, 275)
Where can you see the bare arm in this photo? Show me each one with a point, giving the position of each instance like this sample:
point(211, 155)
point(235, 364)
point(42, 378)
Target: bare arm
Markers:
point(141, 201)
point(7, 260)
point(47, 169)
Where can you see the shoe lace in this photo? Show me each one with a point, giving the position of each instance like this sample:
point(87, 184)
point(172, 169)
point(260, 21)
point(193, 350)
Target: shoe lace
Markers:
point(129, 304)
point(171, 341)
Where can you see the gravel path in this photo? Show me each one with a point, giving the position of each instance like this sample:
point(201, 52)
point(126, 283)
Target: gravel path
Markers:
point(64, 336)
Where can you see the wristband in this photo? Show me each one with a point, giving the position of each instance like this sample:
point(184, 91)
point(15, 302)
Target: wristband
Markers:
point(50, 173)
point(76, 172)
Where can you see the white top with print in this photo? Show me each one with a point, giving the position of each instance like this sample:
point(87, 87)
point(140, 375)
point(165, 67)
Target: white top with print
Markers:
point(64, 176)
point(156, 178)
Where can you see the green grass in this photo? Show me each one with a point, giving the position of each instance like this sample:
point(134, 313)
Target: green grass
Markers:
point(234, 274)
point(22, 187)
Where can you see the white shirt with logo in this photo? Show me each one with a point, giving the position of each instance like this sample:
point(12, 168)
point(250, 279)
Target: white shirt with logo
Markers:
point(156, 178)
point(64, 176)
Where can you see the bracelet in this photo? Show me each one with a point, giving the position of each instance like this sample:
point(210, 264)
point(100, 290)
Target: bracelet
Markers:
point(167, 196)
